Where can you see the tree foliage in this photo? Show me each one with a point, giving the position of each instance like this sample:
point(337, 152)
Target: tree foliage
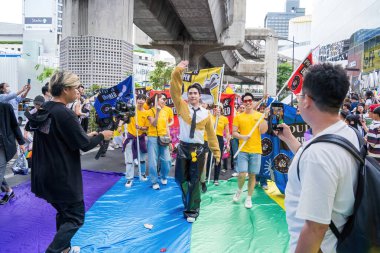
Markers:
point(46, 73)
point(284, 71)
point(160, 75)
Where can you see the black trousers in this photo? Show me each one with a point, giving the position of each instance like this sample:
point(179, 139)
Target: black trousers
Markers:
point(187, 176)
point(69, 218)
point(84, 124)
point(217, 167)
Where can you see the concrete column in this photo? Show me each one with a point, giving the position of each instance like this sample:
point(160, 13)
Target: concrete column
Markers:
point(271, 45)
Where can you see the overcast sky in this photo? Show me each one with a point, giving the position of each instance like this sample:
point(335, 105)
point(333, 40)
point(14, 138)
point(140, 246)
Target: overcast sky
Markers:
point(11, 10)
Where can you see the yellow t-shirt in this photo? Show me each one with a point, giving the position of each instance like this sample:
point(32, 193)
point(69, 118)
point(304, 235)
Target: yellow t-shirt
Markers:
point(169, 110)
point(245, 122)
point(141, 121)
point(162, 122)
point(222, 122)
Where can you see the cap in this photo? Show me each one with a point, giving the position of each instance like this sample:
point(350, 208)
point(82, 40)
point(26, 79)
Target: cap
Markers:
point(371, 108)
point(39, 100)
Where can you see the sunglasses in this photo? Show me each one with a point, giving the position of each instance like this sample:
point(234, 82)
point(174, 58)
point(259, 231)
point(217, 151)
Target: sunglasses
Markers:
point(247, 101)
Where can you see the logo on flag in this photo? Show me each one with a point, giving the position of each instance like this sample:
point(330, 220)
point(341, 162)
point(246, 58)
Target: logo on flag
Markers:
point(296, 80)
point(107, 98)
point(209, 79)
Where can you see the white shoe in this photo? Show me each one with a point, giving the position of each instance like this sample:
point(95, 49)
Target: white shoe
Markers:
point(156, 186)
point(190, 219)
point(74, 249)
point(248, 202)
point(235, 174)
point(265, 187)
point(143, 178)
point(129, 183)
point(110, 148)
point(237, 196)
point(164, 181)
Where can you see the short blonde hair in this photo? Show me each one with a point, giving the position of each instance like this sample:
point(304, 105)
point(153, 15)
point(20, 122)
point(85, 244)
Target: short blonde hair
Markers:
point(61, 80)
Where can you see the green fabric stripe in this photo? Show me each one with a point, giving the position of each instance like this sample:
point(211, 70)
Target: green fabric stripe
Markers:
point(224, 226)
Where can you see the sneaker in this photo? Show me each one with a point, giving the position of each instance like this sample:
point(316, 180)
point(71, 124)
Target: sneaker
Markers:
point(6, 198)
point(143, 178)
point(265, 187)
point(237, 196)
point(74, 249)
point(129, 183)
point(223, 171)
point(156, 186)
point(248, 202)
point(164, 181)
point(190, 219)
point(204, 187)
point(110, 148)
point(235, 174)
point(216, 183)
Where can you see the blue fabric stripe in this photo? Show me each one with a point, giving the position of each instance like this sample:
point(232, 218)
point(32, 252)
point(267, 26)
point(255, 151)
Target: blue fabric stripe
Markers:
point(115, 223)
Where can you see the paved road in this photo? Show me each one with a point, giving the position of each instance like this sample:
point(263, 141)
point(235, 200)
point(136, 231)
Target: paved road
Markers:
point(114, 161)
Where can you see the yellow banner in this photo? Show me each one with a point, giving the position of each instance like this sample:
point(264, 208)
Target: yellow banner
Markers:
point(209, 79)
point(371, 55)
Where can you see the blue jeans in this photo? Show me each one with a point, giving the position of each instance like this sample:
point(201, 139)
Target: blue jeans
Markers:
point(155, 152)
point(249, 162)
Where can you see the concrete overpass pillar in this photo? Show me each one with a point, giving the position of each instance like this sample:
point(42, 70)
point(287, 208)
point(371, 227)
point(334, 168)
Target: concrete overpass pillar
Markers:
point(97, 40)
point(271, 45)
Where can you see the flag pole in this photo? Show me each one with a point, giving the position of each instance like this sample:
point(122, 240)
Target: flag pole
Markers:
point(262, 116)
point(216, 124)
point(137, 131)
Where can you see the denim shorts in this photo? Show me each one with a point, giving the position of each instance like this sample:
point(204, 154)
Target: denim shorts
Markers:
point(248, 162)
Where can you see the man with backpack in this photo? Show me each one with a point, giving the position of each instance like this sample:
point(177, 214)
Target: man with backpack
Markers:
point(322, 178)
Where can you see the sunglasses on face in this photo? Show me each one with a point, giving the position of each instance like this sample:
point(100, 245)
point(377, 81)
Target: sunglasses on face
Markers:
point(248, 101)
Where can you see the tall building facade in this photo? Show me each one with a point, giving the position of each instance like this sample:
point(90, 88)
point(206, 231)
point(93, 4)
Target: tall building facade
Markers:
point(97, 40)
point(42, 22)
point(279, 21)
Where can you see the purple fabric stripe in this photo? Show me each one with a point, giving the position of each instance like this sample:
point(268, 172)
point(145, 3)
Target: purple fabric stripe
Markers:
point(27, 223)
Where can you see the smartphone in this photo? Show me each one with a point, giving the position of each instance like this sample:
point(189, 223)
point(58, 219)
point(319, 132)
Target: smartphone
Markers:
point(29, 81)
point(277, 115)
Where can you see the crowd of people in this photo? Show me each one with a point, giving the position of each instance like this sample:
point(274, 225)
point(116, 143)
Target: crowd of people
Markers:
point(59, 125)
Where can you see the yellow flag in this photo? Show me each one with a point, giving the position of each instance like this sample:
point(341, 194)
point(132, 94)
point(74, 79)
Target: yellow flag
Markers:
point(209, 79)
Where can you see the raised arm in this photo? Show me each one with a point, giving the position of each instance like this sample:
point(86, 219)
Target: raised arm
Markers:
point(176, 85)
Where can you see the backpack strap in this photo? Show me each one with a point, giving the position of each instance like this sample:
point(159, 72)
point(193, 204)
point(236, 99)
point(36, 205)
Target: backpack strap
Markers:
point(358, 155)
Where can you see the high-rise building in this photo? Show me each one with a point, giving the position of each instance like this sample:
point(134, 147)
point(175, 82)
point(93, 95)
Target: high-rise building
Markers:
point(279, 21)
point(42, 31)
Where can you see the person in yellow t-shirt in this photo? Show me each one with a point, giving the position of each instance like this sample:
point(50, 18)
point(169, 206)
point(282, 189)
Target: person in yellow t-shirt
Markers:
point(221, 129)
point(249, 158)
point(170, 113)
point(157, 124)
point(130, 143)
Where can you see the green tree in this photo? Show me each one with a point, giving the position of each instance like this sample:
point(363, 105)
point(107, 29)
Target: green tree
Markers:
point(284, 70)
point(160, 75)
point(46, 73)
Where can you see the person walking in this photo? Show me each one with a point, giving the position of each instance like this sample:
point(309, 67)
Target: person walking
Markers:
point(9, 133)
point(56, 166)
point(158, 152)
point(249, 158)
point(194, 120)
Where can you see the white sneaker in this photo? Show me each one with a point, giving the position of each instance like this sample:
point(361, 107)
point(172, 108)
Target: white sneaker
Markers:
point(235, 174)
point(248, 202)
point(143, 178)
point(129, 183)
point(156, 186)
point(110, 148)
point(164, 181)
point(237, 196)
point(190, 219)
point(265, 187)
point(74, 249)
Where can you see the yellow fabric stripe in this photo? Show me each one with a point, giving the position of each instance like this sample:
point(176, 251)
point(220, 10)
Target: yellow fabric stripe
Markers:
point(275, 194)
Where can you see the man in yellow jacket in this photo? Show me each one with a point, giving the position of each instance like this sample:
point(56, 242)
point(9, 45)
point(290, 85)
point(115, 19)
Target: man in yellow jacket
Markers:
point(194, 120)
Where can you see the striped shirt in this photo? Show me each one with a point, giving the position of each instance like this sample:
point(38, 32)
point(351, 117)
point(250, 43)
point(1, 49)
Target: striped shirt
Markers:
point(373, 140)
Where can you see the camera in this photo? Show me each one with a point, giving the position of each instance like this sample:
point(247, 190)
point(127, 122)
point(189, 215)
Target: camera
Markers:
point(124, 111)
